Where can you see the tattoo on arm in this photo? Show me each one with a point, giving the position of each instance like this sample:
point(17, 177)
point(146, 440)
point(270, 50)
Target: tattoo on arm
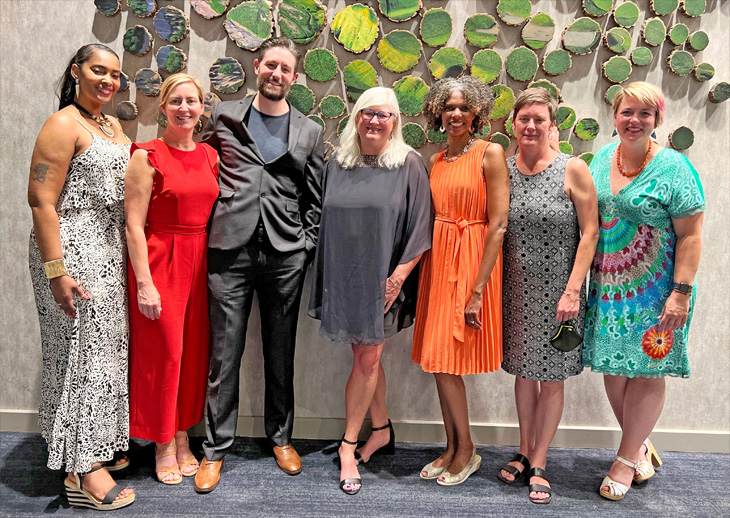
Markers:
point(40, 172)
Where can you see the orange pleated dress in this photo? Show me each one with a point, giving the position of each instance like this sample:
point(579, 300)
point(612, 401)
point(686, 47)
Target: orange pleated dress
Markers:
point(442, 342)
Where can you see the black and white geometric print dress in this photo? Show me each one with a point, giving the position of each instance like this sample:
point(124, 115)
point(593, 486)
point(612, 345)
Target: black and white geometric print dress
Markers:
point(539, 251)
point(84, 408)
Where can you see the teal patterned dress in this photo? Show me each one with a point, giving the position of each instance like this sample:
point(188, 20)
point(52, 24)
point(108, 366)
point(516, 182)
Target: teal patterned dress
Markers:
point(632, 274)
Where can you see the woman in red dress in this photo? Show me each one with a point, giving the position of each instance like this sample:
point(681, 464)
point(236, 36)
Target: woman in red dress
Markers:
point(170, 187)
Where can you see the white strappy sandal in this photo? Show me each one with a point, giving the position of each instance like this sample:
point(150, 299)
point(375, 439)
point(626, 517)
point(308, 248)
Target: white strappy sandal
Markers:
point(645, 468)
point(616, 490)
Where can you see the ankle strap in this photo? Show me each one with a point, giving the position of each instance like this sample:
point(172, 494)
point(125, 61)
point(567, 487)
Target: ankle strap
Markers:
point(351, 443)
point(624, 461)
point(389, 425)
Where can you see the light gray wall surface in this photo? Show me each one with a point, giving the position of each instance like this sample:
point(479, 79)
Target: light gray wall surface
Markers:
point(37, 39)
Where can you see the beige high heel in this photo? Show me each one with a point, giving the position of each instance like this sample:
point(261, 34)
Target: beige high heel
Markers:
point(616, 490)
point(645, 468)
point(454, 479)
point(432, 471)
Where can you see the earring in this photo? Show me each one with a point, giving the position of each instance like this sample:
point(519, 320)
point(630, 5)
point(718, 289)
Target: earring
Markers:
point(442, 129)
point(199, 125)
point(614, 132)
point(76, 87)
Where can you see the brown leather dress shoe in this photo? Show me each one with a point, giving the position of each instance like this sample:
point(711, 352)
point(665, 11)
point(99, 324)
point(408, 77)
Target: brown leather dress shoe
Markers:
point(208, 475)
point(288, 459)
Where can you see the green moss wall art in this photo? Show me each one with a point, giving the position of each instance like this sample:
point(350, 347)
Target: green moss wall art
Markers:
point(226, 75)
point(320, 64)
point(209, 9)
point(414, 135)
point(486, 65)
point(249, 23)
point(108, 7)
point(538, 31)
point(481, 30)
point(521, 64)
point(597, 8)
point(359, 75)
point(582, 36)
point(355, 27)
point(171, 59)
point(399, 10)
point(447, 62)
point(626, 14)
point(302, 20)
point(399, 51)
point(142, 8)
point(171, 24)
point(504, 100)
point(301, 97)
point(556, 62)
point(514, 12)
point(411, 92)
point(435, 27)
point(693, 8)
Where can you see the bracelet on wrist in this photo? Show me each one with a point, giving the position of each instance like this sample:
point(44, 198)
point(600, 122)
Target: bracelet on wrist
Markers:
point(571, 296)
point(55, 269)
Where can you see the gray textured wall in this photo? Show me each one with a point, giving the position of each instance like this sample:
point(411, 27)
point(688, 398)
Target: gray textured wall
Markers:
point(37, 38)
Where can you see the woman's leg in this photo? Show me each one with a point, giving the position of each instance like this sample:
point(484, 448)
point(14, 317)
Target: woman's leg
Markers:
point(166, 457)
point(378, 418)
point(452, 395)
point(185, 458)
point(449, 426)
point(548, 413)
point(526, 396)
point(99, 483)
point(616, 392)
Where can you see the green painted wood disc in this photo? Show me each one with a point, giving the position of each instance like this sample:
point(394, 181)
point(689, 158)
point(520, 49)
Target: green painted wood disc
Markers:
point(209, 9)
point(301, 97)
point(355, 27)
point(209, 101)
point(320, 64)
point(617, 69)
point(359, 75)
point(682, 138)
point(319, 120)
point(414, 135)
point(719, 92)
point(504, 100)
point(341, 125)
point(556, 62)
point(108, 8)
point(597, 8)
point(587, 129)
point(249, 23)
point(436, 137)
point(127, 111)
point(587, 157)
point(704, 72)
point(161, 118)
point(582, 36)
point(399, 51)
point(436, 26)
point(538, 31)
point(693, 8)
point(641, 56)
point(501, 139)
point(654, 32)
point(626, 14)
point(610, 94)
point(302, 20)
point(142, 8)
point(565, 117)
point(399, 10)
point(547, 85)
point(332, 106)
point(227, 75)
point(171, 59)
point(447, 62)
point(521, 64)
point(410, 92)
point(699, 40)
point(171, 24)
point(514, 12)
point(484, 132)
point(148, 82)
point(486, 65)
point(137, 40)
point(481, 30)
point(565, 147)
point(680, 62)
point(509, 127)
point(678, 33)
point(617, 39)
point(663, 7)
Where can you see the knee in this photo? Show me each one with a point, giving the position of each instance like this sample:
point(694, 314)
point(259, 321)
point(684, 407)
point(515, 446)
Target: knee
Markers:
point(367, 361)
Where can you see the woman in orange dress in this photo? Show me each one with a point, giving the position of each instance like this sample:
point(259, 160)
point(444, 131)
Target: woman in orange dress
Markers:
point(459, 314)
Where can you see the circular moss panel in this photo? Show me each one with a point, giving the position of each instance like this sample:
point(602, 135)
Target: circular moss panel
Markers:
point(436, 26)
point(521, 64)
point(332, 106)
point(547, 85)
point(538, 31)
point(501, 139)
point(447, 62)
point(108, 7)
point(486, 65)
point(227, 75)
point(320, 64)
point(355, 27)
point(436, 137)
point(680, 62)
point(663, 7)
point(610, 94)
point(359, 75)
point(565, 118)
point(319, 120)
point(411, 92)
point(249, 23)
point(137, 40)
point(597, 8)
point(704, 72)
point(399, 10)
point(556, 62)
point(617, 69)
point(654, 32)
point(209, 9)
point(514, 12)
point(127, 111)
point(414, 135)
point(302, 20)
point(678, 33)
point(481, 30)
point(341, 125)
point(699, 40)
point(693, 8)
point(582, 36)
point(565, 147)
point(641, 56)
point(399, 51)
point(719, 92)
point(626, 14)
point(171, 24)
point(617, 39)
point(142, 8)
point(586, 129)
point(586, 157)
point(504, 100)
point(301, 97)
point(148, 82)
point(171, 59)
point(682, 138)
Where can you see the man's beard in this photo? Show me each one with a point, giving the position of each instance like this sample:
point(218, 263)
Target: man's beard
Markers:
point(271, 93)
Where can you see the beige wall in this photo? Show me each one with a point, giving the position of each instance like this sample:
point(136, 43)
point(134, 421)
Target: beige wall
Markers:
point(37, 38)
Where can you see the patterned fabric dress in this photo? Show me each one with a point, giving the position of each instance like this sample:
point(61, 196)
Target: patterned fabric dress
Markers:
point(633, 269)
point(539, 252)
point(84, 408)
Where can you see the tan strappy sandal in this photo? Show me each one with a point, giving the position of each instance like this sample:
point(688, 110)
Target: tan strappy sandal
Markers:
point(191, 460)
point(162, 471)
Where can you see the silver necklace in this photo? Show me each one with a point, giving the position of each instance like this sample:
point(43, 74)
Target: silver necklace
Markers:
point(453, 158)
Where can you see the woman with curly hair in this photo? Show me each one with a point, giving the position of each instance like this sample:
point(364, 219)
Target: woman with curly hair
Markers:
point(459, 314)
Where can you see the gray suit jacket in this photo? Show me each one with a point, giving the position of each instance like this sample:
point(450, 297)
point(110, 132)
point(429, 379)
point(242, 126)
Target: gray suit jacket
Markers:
point(286, 193)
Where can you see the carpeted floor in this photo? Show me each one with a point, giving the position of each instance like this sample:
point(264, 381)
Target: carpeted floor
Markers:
point(689, 484)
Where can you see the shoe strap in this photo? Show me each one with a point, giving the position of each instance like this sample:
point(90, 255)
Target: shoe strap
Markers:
point(385, 427)
point(540, 488)
point(624, 461)
point(351, 443)
point(518, 457)
point(112, 494)
point(538, 472)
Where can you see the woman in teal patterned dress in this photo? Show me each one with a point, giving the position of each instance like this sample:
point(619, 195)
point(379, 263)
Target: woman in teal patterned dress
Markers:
point(641, 293)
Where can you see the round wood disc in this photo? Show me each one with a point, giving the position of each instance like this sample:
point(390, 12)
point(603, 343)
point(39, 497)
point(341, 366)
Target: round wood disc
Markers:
point(678, 33)
point(319, 120)
point(719, 92)
point(436, 137)
point(654, 32)
point(501, 139)
point(137, 40)
point(341, 125)
point(547, 85)
point(626, 14)
point(302, 20)
point(399, 10)
point(586, 129)
point(227, 75)
point(538, 31)
point(486, 65)
point(484, 132)
point(663, 7)
point(148, 82)
point(359, 75)
point(565, 147)
point(582, 36)
point(693, 8)
point(565, 118)
point(699, 40)
point(617, 39)
point(587, 157)
point(436, 26)
point(127, 111)
point(320, 64)
point(410, 92)
point(108, 7)
point(556, 62)
point(680, 62)
point(481, 30)
point(356, 27)
point(171, 24)
point(521, 64)
point(209, 101)
point(704, 72)
point(161, 118)
point(332, 107)
point(329, 149)
point(399, 51)
point(209, 9)
point(682, 138)
point(641, 56)
point(249, 23)
point(610, 94)
point(301, 97)
point(171, 59)
point(597, 8)
point(509, 127)
point(617, 69)
point(504, 101)
point(142, 8)
point(447, 62)
point(414, 135)
point(514, 12)
point(123, 82)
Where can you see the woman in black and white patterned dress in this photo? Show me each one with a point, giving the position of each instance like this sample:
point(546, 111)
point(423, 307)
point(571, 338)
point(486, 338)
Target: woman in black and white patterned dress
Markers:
point(78, 268)
point(548, 249)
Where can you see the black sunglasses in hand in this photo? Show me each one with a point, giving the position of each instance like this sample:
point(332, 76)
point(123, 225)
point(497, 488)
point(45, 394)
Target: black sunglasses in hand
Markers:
point(382, 116)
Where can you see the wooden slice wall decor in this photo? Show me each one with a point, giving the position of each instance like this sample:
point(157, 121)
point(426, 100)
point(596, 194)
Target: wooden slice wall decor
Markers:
point(484, 131)
point(249, 23)
point(556, 62)
point(329, 149)
point(509, 127)
point(356, 27)
point(521, 64)
point(597, 8)
point(148, 82)
point(123, 82)
point(332, 106)
point(481, 30)
point(626, 14)
point(587, 129)
point(680, 62)
point(699, 40)
point(302, 20)
point(587, 157)
point(617, 39)
point(301, 97)
point(414, 135)
point(678, 33)
point(410, 92)
point(227, 75)
point(501, 139)
point(436, 137)
point(565, 118)
point(359, 75)
point(704, 72)
point(142, 8)
point(108, 7)
point(320, 64)
point(447, 62)
point(171, 59)
point(610, 94)
point(538, 31)
point(547, 85)
point(565, 147)
point(341, 125)
point(719, 92)
point(399, 51)
point(209, 9)
point(399, 10)
point(641, 56)
point(486, 65)
point(209, 101)
point(436, 26)
point(319, 120)
point(171, 24)
point(617, 69)
point(514, 12)
point(654, 32)
point(127, 111)
point(693, 8)
point(137, 40)
point(504, 101)
point(582, 36)
point(681, 138)
point(663, 7)
point(161, 118)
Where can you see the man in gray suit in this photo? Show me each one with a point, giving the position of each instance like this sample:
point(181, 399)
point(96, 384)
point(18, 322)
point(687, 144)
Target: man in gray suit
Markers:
point(263, 228)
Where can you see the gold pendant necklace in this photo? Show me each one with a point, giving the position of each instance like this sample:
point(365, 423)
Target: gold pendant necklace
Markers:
point(105, 124)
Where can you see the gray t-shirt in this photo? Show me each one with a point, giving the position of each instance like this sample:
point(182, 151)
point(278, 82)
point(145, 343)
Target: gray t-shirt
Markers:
point(271, 133)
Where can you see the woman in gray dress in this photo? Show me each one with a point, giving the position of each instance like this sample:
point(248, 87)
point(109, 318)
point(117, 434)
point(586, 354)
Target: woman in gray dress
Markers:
point(376, 223)
point(548, 249)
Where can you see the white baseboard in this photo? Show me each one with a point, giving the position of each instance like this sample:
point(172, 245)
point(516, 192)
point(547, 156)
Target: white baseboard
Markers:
point(433, 432)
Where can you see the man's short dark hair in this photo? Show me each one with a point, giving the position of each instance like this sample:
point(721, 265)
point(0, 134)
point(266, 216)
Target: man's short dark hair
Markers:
point(283, 42)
